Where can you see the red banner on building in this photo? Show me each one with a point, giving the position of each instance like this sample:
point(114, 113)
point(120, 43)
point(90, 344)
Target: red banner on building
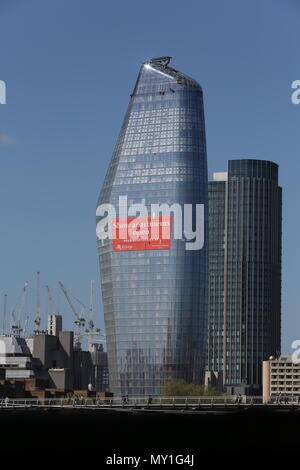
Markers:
point(142, 233)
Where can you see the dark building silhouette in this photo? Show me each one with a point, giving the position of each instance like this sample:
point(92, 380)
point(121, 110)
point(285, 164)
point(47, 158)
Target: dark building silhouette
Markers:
point(244, 315)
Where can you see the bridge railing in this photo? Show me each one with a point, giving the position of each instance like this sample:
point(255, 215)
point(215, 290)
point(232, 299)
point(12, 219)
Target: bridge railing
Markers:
point(150, 402)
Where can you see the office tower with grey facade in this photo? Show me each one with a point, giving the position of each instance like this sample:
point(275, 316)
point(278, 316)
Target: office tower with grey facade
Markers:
point(155, 295)
point(244, 313)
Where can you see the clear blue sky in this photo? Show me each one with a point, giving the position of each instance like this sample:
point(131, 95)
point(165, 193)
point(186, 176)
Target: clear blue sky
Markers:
point(70, 66)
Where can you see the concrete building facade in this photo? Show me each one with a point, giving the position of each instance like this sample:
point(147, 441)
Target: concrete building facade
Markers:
point(281, 378)
point(54, 325)
point(52, 360)
point(16, 359)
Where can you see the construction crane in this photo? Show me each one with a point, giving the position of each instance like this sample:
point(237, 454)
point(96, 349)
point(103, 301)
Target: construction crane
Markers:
point(79, 318)
point(50, 300)
point(91, 324)
point(91, 309)
point(16, 326)
point(83, 307)
point(91, 332)
point(93, 337)
point(4, 314)
point(37, 319)
point(25, 326)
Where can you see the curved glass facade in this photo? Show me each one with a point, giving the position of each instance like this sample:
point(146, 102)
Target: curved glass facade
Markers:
point(155, 301)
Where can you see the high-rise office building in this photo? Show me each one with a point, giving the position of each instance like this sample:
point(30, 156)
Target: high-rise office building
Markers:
point(244, 306)
point(155, 296)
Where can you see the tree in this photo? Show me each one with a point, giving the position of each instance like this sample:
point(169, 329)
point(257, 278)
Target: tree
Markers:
point(180, 388)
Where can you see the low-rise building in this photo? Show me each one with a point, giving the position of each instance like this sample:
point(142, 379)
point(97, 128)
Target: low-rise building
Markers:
point(213, 379)
point(54, 359)
point(281, 378)
point(17, 360)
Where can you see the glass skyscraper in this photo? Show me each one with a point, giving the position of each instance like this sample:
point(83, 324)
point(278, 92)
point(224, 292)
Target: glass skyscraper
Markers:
point(244, 313)
point(155, 300)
